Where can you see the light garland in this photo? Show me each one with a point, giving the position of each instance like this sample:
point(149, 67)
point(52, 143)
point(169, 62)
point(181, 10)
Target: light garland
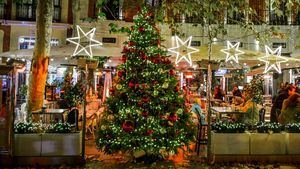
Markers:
point(80, 46)
point(183, 50)
point(273, 59)
point(236, 51)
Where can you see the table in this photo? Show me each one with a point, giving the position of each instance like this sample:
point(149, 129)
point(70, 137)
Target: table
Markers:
point(226, 110)
point(52, 113)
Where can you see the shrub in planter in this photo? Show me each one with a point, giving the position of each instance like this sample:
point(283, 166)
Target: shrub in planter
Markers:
point(269, 127)
point(227, 127)
point(59, 128)
point(28, 127)
point(293, 128)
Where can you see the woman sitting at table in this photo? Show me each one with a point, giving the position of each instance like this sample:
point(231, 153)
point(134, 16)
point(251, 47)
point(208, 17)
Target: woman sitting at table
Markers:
point(290, 112)
point(250, 113)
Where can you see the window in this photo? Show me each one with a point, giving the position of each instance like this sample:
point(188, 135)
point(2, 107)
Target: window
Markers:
point(2, 10)
point(274, 18)
point(260, 14)
point(26, 10)
point(111, 10)
point(27, 42)
point(57, 10)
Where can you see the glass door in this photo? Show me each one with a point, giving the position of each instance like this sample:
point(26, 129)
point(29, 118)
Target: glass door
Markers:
point(6, 115)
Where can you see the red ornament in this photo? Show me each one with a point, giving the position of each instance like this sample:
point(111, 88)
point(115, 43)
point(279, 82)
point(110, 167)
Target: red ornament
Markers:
point(141, 29)
point(131, 84)
point(137, 85)
point(120, 73)
point(124, 59)
point(149, 132)
point(145, 114)
point(111, 90)
point(173, 117)
point(127, 126)
point(172, 72)
point(145, 99)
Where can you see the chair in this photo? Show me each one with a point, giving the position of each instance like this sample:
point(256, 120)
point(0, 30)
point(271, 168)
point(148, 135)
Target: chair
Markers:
point(201, 138)
point(72, 118)
point(262, 113)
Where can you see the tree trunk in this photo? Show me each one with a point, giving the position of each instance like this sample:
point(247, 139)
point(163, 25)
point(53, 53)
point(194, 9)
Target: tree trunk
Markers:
point(76, 15)
point(40, 61)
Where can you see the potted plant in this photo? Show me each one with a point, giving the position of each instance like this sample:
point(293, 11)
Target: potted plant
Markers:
point(230, 138)
point(270, 133)
point(293, 138)
point(46, 140)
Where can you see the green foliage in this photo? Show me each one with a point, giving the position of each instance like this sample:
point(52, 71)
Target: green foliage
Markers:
point(23, 90)
point(293, 128)
point(28, 127)
point(269, 127)
point(73, 94)
point(59, 128)
point(145, 111)
point(255, 89)
point(228, 127)
point(102, 60)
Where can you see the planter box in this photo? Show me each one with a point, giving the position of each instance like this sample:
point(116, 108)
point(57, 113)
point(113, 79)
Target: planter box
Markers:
point(27, 144)
point(48, 144)
point(265, 143)
point(230, 143)
point(61, 144)
point(293, 143)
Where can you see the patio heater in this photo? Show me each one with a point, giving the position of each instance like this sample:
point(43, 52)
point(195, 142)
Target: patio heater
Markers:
point(84, 42)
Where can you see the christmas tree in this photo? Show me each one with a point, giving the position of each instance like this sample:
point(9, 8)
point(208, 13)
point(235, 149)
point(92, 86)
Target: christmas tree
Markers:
point(145, 113)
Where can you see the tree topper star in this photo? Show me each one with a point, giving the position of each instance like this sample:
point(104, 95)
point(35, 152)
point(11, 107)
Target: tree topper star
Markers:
point(81, 44)
point(232, 51)
point(183, 50)
point(273, 59)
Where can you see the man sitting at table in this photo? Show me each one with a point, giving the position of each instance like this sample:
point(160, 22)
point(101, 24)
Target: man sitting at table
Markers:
point(250, 114)
point(236, 91)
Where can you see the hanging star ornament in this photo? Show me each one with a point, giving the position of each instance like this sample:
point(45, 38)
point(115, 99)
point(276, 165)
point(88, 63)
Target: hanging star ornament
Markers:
point(273, 59)
point(84, 42)
point(232, 52)
point(183, 50)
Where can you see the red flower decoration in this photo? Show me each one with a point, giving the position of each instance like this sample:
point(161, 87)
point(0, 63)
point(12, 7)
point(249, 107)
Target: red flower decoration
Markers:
point(143, 56)
point(127, 126)
point(124, 59)
point(125, 50)
point(145, 114)
point(149, 132)
point(172, 72)
point(111, 90)
point(131, 84)
point(173, 118)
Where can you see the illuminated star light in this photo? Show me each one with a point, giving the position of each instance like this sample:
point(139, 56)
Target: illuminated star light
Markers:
point(273, 59)
point(84, 46)
point(229, 53)
point(183, 50)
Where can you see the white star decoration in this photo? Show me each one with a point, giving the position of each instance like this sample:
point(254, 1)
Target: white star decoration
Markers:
point(183, 50)
point(273, 59)
point(83, 45)
point(232, 55)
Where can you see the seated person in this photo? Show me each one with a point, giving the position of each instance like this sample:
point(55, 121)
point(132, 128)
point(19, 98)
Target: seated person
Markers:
point(236, 91)
point(250, 111)
point(196, 109)
point(290, 112)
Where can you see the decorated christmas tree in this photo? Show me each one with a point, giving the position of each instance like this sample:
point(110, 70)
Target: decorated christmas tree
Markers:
point(145, 113)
